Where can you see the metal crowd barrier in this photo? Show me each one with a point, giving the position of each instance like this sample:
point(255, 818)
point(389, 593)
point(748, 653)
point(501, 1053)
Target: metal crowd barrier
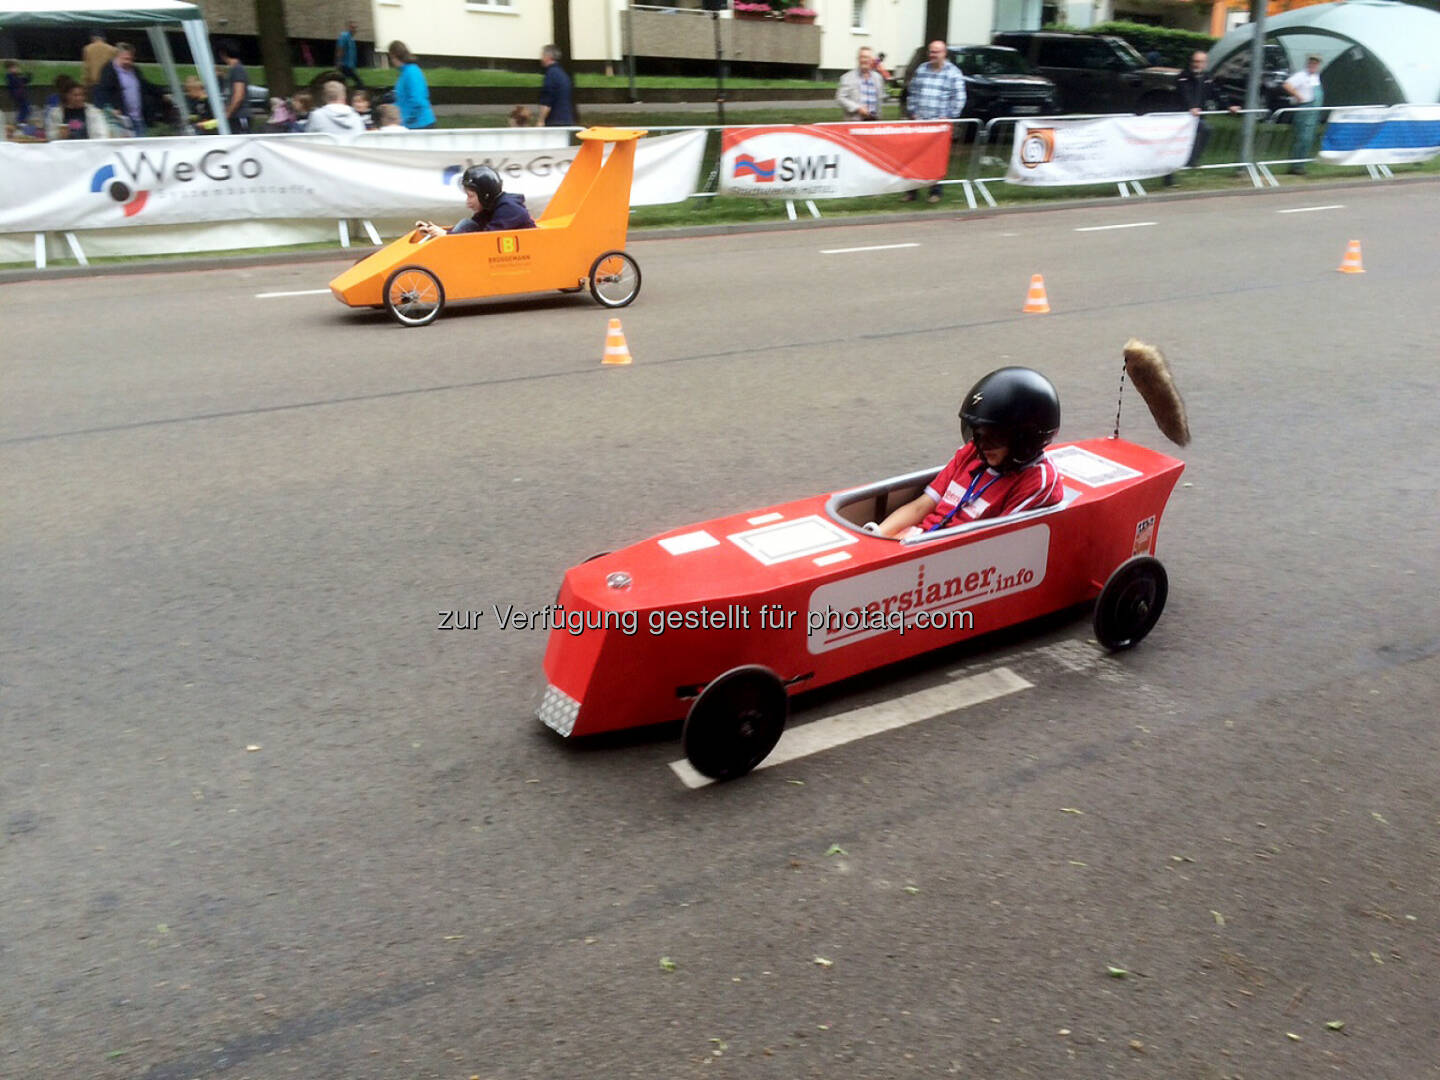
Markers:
point(1288, 136)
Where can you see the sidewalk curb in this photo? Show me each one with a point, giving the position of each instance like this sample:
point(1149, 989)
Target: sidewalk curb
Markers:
point(680, 232)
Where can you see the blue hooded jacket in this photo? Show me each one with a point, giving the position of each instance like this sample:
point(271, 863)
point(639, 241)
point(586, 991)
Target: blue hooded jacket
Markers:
point(509, 213)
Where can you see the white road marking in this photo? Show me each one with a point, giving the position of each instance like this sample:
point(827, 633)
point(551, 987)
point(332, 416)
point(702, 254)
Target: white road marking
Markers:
point(1311, 209)
point(300, 292)
point(847, 727)
point(765, 519)
point(877, 247)
point(1103, 228)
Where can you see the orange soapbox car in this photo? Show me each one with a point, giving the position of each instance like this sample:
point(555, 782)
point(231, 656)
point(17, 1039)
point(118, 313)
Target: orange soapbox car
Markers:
point(577, 243)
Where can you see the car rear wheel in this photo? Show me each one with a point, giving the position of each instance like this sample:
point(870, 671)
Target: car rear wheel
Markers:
point(735, 722)
point(414, 296)
point(614, 279)
point(1131, 602)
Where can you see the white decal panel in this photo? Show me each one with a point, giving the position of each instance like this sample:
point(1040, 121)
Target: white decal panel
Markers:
point(791, 539)
point(688, 542)
point(1089, 468)
point(934, 589)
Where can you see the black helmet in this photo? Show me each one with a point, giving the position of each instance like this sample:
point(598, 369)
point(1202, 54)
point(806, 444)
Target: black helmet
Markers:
point(485, 182)
point(1016, 406)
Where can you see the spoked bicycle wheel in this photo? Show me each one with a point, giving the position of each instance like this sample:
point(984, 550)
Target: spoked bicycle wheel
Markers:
point(614, 279)
point(414, 296)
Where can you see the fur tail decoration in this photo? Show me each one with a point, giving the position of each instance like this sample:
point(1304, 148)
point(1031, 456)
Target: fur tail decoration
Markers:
point(1150, 374)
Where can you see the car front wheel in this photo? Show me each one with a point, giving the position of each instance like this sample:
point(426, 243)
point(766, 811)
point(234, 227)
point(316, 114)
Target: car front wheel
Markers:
point(414, 296)
point(735, 722)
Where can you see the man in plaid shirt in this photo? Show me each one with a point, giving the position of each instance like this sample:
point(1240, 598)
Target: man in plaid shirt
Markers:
point(862, 90)
point(936, 92)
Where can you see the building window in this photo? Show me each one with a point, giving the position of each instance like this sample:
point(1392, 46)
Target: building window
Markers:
point(857, 15)
point(487, 3)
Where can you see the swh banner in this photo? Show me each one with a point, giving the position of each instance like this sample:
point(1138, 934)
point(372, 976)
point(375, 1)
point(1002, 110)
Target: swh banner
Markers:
point(1106, 150)
point(832, 161)
point(110, 184)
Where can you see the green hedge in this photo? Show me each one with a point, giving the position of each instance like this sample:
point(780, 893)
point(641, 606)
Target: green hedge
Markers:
point(1174, 46)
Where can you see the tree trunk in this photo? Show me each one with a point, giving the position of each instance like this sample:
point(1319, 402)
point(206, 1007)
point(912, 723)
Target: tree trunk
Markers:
point(937, 20)
point(275, 47)
point(560, 16)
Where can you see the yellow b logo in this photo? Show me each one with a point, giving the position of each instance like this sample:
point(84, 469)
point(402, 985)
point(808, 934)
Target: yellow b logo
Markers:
point(509, 245)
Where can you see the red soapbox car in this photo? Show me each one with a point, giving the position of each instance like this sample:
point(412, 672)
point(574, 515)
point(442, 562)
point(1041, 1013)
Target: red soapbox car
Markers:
point(720, 622)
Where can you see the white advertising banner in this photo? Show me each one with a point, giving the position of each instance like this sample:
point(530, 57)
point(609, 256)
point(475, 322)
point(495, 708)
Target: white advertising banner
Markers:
point(1106, 150)
point(832, 161)
point(1399, 135)
point(66, 186)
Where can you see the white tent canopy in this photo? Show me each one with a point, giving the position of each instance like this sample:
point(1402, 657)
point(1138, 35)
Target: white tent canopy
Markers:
point(151, 15)
point(1402, 39)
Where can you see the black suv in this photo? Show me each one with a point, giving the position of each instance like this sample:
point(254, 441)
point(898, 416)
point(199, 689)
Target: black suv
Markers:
point(1095, 73)
point(998, 82)
point(1233, 73)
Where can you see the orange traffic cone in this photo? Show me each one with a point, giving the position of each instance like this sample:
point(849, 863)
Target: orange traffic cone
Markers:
point(616, 351)
point(1352, 263)
point(1036, 303)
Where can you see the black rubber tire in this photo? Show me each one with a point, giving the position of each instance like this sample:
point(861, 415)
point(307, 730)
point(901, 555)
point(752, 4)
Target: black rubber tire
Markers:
point(418, 276)
point(1131, 602)
point(735, 722)
point(601, 284)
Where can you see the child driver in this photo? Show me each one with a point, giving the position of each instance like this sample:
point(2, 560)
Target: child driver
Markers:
point(1008, 419)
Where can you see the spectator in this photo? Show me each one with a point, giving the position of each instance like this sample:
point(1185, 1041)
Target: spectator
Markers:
point(557, 104)
point(862, 90)
point(123, 92)
point(1307, 95)
point(412, 93)
point(389, 119)
point(335, 117)
point(302, 104)
point(62, 87)
point(360, 102)
point(520, 116)
point(347, 55)
point(936, 92)
point(881, 68)
point(1196, 90)
point(95, 56)
point(1007, 420)
point(18, 83)
point(237, 87)
point(494, 208)
point(197, 104)
point(282, 117)
point(75, 117)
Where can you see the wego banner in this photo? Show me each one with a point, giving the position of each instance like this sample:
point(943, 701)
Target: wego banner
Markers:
point(106, 184)
point(1106, 150)
point(832, 161)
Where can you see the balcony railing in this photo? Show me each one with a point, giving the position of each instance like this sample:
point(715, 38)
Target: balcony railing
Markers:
point(664, 32)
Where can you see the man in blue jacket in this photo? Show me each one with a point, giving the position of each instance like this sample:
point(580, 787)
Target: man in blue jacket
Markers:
point(557, 105)
point(495, 210)
point(412, 92)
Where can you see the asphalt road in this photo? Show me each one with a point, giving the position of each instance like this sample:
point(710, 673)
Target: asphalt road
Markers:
point(262, 819)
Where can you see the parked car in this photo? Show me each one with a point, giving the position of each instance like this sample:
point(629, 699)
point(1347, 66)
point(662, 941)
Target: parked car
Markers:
point(1231, 75)
point(998, 82)
point(1096, 73)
